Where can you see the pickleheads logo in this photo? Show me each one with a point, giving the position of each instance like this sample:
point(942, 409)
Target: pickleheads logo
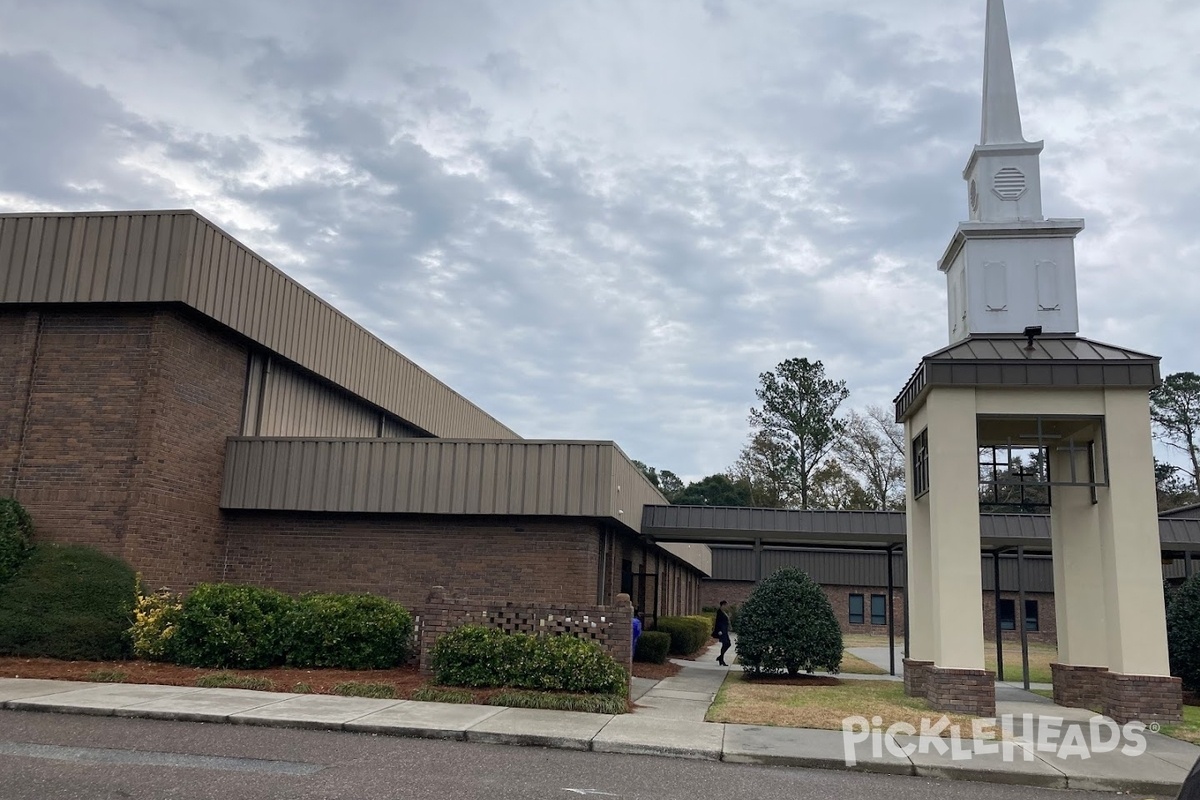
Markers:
point(1052, 736)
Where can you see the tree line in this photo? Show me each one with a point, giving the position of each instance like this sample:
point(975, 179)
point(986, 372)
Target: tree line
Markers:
point(803, 452)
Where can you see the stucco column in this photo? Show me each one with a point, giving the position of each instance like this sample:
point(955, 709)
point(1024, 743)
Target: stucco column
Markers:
point(1130, 548)
point(957, 579)
point(1079, 594)
point(917, 557)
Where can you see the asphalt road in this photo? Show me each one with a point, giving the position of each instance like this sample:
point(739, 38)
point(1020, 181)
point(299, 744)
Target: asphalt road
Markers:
point(59, 756)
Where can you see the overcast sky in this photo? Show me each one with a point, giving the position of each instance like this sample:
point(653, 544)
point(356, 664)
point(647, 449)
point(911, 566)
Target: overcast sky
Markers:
point(602, 220)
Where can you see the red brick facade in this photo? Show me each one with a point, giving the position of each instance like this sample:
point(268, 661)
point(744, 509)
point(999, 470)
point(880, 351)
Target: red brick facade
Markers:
point(115, 438)
point(113, 428)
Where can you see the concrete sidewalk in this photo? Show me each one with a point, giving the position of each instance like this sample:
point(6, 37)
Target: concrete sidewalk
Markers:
point(1158, 771)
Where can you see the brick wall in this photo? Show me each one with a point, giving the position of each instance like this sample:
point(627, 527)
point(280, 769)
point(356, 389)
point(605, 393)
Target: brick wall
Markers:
point(519, 560)
point(610, 626)
point(119, 443)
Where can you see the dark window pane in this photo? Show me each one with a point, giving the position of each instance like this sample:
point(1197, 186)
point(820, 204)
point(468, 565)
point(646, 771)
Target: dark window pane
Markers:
point(1008, 615)
point(856, 609)
point(1031, 615)
point(878, 609)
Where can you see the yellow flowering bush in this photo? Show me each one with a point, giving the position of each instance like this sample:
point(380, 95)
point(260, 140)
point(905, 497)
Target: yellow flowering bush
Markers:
point(155, 621)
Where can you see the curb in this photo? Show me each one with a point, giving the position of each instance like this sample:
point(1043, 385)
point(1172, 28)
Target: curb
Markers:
point(948, 772)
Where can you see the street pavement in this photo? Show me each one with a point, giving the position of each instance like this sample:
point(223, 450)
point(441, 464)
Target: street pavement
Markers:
point(668, 721)
point(69, 756)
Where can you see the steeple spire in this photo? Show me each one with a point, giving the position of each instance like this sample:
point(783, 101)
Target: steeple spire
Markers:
point(1001, 113)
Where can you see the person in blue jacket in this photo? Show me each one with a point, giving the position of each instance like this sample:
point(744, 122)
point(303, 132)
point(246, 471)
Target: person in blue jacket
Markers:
point(637, 628)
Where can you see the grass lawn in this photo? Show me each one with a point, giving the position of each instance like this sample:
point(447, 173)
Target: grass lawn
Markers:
point(744, 702)
point(1040, 655)
point(1189, 729)
point(853, 665)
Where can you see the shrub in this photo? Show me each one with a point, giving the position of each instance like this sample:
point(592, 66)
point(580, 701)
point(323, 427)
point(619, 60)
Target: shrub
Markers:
point(68, 602)
point(484, 657)
point(1183, 632)
point(688, 634)
point(383, 691)
point(16, 537)
point(351, 631)
point(107, 676)
point(231, 680)
point(653, 647)
point(222, 625)
point(788, 624)
point(593, 703)
point(155, 621)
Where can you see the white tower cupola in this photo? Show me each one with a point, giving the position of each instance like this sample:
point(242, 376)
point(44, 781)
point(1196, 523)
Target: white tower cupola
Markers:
point(1009, 268)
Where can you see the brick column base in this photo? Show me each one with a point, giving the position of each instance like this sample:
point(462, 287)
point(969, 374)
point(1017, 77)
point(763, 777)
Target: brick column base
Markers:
point(1142, 698)
point(916, 677)
point(963, 691)
point(1079, 687)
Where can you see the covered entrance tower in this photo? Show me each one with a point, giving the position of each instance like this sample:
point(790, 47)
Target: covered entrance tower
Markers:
point(1022, 413)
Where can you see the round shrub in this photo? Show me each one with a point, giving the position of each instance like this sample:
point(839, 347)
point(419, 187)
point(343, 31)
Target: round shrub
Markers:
point(16, 537)
point(155, 621)
point(481, 657)
point(351, 631)
point(241, 627)
point(1183, 632)
point(788, 624)
point(653, 647)
point(68, 602)
point(688, 634)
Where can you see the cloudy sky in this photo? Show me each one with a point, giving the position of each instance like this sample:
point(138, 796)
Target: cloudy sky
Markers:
point(605, 219)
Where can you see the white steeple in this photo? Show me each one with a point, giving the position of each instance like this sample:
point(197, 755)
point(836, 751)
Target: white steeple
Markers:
point(1009, 268)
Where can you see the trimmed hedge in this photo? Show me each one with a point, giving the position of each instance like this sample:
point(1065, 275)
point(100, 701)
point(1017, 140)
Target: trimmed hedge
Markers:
point(788, 624)
point(653, 647)
point(68, 602)
point(479, 657)
point(688, 634)
point(241, 627)
point(1183, 632)
point(16, 537)
point(351, 631)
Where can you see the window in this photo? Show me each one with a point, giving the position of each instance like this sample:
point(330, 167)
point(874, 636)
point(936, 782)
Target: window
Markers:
point(856, 610)
point(920, 463)
point(878, 609)
point(1008, 614)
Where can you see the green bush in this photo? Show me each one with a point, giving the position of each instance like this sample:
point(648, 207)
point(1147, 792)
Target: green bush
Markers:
point(16, 537)
point(474, 656)
point(788, 624)
point(351, 631)
point(688, 634)
point(68, 602)
point(653, 647)
point(1183, 632)
point(222, 625)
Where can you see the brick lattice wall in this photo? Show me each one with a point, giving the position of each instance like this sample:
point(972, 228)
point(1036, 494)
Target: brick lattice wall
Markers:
point(1078, 687)
point(1142, 698)
point(608, 626)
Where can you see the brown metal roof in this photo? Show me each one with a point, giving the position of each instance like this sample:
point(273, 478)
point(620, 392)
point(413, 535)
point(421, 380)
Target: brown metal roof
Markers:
point(857, 529)
point(1000, 361)
point(180, 257)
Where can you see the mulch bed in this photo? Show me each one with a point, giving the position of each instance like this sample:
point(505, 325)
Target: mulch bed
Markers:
point(657, 672)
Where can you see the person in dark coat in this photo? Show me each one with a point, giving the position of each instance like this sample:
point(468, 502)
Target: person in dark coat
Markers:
point(721, 633)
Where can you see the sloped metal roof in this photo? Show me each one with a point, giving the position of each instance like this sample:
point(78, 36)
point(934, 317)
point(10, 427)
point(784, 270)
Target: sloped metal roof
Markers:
point(998, 361)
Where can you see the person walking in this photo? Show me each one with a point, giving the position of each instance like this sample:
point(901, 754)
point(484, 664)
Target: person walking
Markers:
point(721, 633)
